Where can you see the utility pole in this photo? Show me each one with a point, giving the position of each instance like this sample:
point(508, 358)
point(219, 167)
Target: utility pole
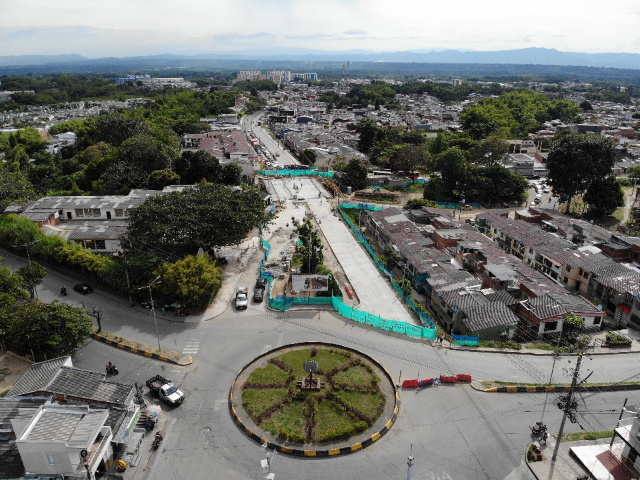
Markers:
point(27, 245)
point(556, 354)
point(410, 464)
point(618, 422)
point(153, 309)
point(567, 406)
point(126, 274)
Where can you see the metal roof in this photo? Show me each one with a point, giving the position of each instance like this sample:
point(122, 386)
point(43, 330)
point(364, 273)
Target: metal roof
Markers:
point(38, 377)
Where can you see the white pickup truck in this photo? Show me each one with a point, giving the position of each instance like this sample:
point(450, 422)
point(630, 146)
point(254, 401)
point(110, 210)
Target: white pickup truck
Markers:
point(166, 390)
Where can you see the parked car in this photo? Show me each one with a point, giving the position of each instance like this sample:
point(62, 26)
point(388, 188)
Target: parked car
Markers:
point(166, 390)
point(241, 298)
point(546, 190)
point(83, 288)
point(258, 294)
point(466, 207)
point(533, 204)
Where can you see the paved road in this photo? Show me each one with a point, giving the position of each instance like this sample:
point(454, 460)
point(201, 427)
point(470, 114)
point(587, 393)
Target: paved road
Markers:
point(284, 156)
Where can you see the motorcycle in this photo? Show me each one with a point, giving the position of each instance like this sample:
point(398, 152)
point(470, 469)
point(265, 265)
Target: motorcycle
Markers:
point(112, 370)
point(538, 428)
point(223, 260)
point(156, 441)
point(150, 424)
point(63, 291)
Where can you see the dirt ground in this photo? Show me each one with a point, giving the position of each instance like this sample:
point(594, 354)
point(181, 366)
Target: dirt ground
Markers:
point(11, 369)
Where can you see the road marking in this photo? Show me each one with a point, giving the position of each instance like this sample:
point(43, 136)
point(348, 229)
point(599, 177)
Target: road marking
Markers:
point(266, 348)
point(218, 404)
point(191, 348)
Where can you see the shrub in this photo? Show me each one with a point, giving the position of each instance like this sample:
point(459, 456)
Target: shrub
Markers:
point(343, 432)
point(314, 351)
point(617, 339)
point(287, 434)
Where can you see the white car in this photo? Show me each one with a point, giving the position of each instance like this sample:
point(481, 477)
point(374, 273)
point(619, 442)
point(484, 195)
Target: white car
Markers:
point(546, 190)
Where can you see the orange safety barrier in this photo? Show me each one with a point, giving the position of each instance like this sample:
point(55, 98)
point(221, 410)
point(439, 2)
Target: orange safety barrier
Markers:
point(464, 377)
point(349, 291)
point(410, 383)
point(445, 379)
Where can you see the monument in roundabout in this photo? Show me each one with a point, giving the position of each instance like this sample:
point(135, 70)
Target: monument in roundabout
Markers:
point(314, 399)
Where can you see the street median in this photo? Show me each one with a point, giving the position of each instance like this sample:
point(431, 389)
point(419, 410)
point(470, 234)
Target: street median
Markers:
point(137, 348)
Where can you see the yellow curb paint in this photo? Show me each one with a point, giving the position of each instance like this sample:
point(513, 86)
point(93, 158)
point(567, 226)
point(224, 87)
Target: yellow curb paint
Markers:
point(389, 424)
point(395, 410)
point(238, 421)
point(249, 432)
point(164, 359)
point(531, 389)
point(335, 451)
point(309, 453)
point(134, 350)
point(512, 389)
point(231, 397)
point(492, 389)
point(120, 346)
point(550, 389)
point(147, 354)
point(285, 449)
point(356, 447)
point(375, 436)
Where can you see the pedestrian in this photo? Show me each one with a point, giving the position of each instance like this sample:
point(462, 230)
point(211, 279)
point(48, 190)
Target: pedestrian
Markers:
point(163, 311)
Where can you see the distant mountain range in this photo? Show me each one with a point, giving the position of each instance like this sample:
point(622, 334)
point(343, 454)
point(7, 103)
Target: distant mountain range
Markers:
point(525, 56)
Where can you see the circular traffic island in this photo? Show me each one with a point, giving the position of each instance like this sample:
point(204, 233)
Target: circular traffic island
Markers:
point(314, 399)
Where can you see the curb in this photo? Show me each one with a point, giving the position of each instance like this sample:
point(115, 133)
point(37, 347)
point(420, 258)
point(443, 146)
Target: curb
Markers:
point(557, 389)
point(138, 351)
point(324, 452)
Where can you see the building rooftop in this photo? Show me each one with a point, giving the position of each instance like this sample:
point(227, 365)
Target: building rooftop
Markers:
point(38, 377)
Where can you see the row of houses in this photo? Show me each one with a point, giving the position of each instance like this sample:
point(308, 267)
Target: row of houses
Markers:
point(584, 258)
point(469, 283)
point(59, 421)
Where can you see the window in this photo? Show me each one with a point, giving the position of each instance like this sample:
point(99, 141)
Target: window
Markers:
point(87, 212)
point(581, 272)
point(597, 320)
point(548, 326)
point(531, 250)
point(50, 459)
point(568, 268)
point(89, 244)
point(79, 212)
point(100, 245)
point(119, 212)
point(585, 274)
point(96, 212)
point(565, 279)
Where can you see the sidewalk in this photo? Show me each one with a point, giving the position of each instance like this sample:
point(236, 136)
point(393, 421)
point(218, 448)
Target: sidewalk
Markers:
point(566, 467)
point(139, 455)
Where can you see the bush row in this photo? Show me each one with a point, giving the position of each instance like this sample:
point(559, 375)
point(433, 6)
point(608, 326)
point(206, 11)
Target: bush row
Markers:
point(343, 432)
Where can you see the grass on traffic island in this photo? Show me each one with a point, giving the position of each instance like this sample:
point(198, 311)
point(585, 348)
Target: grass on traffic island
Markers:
point(575, 437)
point(350, 403)
point(170, 354)
point(497, 383)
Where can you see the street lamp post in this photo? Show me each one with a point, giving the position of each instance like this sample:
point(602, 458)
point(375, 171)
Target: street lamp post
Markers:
point(27, 245)
point(153, 309)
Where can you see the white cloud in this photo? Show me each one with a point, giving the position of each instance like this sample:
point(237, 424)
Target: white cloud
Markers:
point(137, 27)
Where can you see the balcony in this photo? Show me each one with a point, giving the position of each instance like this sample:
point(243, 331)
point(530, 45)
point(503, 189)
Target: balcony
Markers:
point(95, 452)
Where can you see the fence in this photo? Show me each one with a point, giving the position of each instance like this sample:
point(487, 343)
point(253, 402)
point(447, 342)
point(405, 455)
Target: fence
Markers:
point(362, 206)
point(294, 173)
point(466, 340)
point(360, 316)
point(457, 205)
point(425, 319)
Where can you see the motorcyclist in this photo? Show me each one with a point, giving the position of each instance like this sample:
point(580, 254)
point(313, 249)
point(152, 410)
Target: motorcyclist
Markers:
point(110, 366)
point(159, 436)
point(63, 290)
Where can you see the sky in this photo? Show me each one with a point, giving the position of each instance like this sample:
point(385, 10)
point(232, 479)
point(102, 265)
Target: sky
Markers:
point(147, 27)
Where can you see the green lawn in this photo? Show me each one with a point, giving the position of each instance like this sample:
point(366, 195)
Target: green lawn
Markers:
point(268, 374)
point(366, 403)
point(356, 375)
point(296, 261)
point(326, 360)
point(330, 418)
point(257, 401)
point(289, 417)
point(574, 437)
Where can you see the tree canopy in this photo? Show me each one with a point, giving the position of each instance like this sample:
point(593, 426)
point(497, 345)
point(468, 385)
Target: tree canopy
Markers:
point(205, 216)
point(353, 174)
point(576, 160)
point(604, 195)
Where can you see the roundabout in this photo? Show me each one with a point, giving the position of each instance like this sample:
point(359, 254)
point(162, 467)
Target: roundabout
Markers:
point(314, 399)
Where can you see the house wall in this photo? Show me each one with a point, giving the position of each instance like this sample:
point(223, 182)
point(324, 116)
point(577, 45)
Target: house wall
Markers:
point(34, 458)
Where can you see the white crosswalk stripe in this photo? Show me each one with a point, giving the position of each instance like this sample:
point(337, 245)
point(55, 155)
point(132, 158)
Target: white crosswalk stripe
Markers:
point(191, 348)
